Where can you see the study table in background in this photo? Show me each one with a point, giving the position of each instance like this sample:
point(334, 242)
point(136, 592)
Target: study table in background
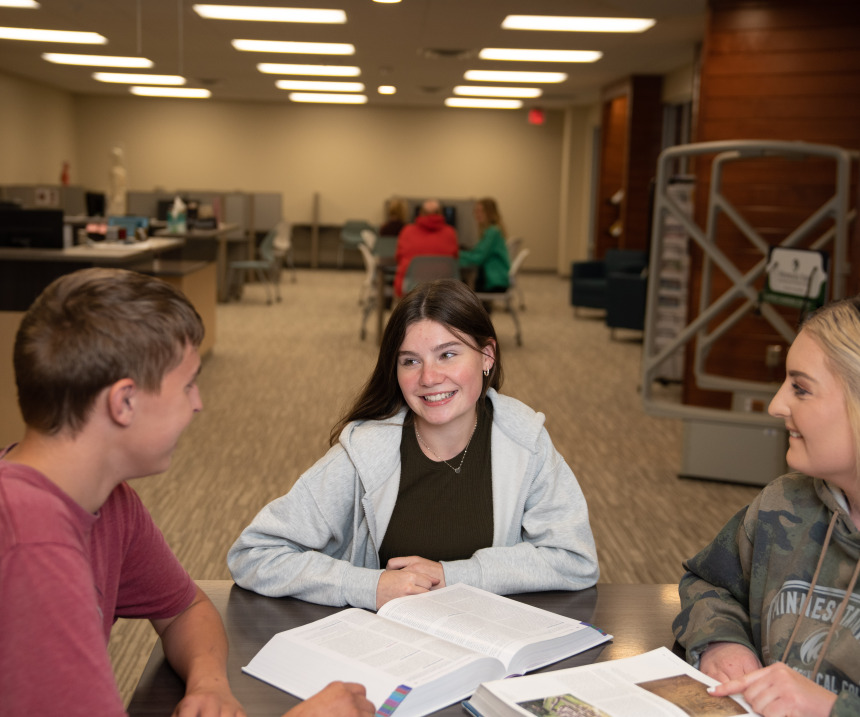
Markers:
point(221, 245)
point(638, 616)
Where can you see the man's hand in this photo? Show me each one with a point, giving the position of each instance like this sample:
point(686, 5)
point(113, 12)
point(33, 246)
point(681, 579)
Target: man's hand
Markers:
point(728, 661)
point(411, 575)
point(338, 699)
point(209, 702)
point(779, 691)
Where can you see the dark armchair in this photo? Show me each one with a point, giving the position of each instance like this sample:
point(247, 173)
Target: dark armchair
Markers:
point(626, 293)
point(590, 279)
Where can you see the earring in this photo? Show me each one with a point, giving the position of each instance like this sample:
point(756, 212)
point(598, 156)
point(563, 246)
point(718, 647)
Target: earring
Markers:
point(486, 372)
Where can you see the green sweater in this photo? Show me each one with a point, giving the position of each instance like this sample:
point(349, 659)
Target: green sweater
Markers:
point(490, 255)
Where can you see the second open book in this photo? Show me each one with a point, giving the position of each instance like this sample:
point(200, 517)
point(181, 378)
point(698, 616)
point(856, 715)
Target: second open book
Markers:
point(423, 652)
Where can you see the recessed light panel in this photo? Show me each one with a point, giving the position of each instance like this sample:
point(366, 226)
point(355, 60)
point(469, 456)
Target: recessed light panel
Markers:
point(275, 68)
point(480, 103)
point(480, 91)
point(577, 24)
point(328, 98)
point(180, 92)
point(35, 35)
point(137, 79)
point(317, 86)
point(513, 76)
point(270, 14)
point(96, 60)
point(503, 53)
point(298, 48)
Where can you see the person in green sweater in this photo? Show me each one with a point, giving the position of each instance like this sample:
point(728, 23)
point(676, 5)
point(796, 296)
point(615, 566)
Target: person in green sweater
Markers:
point(490, 254)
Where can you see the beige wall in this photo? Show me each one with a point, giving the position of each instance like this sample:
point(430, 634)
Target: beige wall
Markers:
point(37, 133)
point(354, 157)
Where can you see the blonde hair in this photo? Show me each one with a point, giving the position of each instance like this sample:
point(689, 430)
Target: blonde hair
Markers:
point(491, 212)
point(836, 329)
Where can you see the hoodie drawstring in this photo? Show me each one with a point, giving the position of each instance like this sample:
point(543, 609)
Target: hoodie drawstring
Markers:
point(842, 606)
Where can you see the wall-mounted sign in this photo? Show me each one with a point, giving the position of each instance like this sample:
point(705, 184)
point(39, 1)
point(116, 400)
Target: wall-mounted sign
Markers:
point(796, 278)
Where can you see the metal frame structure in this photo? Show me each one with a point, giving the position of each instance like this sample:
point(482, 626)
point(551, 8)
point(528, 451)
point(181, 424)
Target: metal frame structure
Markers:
point(836, 209)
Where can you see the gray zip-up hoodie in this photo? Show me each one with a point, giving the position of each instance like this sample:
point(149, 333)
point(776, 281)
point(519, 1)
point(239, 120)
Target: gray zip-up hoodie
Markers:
point(320, 541)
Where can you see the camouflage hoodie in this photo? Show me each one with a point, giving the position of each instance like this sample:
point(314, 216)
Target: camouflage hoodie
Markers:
point(750, 586)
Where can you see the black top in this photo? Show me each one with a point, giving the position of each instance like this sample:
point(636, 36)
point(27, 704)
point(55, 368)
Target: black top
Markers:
point(440, 514)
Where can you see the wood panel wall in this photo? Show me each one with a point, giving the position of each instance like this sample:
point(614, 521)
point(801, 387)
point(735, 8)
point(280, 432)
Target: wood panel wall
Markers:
point(772, 70)
point(630, 144)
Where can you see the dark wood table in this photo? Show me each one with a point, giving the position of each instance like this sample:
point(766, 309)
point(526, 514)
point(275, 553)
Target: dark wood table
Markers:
point(638, 616)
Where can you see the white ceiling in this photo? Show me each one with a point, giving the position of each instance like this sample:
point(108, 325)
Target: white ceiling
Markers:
point(392, 44)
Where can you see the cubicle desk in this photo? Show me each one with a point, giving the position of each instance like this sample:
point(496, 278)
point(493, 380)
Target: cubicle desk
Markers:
point(638, 616)
point(320, 245)
point(195, 279)
point(24, 273)
point(221, 245)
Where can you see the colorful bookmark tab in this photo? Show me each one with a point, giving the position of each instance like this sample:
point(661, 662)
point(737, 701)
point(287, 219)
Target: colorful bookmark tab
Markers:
point(393, 702)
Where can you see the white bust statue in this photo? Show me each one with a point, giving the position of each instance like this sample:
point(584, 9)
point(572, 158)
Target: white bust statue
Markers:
point(117, 193)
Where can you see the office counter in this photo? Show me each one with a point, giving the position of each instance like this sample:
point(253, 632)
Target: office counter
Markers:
point(220, 245)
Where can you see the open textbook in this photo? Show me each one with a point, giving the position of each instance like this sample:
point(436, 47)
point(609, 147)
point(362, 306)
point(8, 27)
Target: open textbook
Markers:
point(653, 684)
point(422, 652)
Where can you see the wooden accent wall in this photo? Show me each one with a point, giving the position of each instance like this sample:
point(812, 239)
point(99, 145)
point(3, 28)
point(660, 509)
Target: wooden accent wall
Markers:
point(631, 129)
point(772, 70)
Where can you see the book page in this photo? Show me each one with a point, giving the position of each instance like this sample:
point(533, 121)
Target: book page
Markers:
point(654, 684)
point(357, 646)
point(480, 621)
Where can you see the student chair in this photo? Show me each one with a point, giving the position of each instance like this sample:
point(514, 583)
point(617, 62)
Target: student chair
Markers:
point(274, 249)
point(509, 297)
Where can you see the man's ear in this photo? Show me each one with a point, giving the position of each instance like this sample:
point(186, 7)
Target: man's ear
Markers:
point(121, 401)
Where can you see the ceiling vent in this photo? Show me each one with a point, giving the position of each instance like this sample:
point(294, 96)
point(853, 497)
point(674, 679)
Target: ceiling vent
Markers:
point(444, 53)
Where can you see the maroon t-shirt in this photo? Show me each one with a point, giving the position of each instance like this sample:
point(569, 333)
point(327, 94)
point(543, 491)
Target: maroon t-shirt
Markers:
point(65, 576)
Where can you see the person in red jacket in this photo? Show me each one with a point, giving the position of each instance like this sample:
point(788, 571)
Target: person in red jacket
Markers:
point(428, 235)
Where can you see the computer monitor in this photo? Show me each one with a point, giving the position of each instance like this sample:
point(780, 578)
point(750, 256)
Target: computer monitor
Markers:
point(31, 228)
point(95, 202)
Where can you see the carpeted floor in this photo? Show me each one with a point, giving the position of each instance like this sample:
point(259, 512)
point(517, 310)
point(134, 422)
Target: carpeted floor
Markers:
point(280, 375)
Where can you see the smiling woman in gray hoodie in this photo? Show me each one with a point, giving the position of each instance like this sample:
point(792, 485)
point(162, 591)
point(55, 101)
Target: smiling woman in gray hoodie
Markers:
point(433, 478)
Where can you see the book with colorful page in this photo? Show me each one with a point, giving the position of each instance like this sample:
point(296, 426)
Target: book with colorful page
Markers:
point(421, 653)
point(653, 684)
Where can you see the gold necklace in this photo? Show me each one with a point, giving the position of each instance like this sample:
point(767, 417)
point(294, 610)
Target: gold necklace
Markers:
point(465, 450)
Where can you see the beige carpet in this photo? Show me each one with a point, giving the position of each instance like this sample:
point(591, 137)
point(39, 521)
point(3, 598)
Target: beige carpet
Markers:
point(280, 375)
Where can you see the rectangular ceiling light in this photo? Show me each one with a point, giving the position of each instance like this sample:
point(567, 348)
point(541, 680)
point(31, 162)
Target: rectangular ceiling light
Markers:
point(34, 35)
point(275, 68)
point(19, 3)
point(270, 14)
point(319, 86)
point(502, 53)
point(181, 92)
point(96, 60)
point(479, 103)
point(481, 91)
point(577, 24)
point(505, 76)
point(328, 98)
point(138, 79)
point(299, 48)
